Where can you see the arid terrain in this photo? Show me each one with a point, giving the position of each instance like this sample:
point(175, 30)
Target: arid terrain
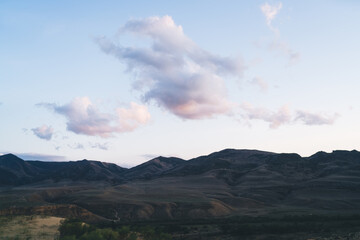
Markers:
point(224, 185)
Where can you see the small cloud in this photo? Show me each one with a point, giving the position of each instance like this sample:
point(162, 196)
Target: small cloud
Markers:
point(259, 82)
point(275, 119)
point(174, 71)
point(270, 12)
point(102, 146)
point(76, 146)
point(40, 157)
point(85, 118)
point(309, 118)
point(43, 132)
point(284, 49)
point(284, 116)
point(149, 156)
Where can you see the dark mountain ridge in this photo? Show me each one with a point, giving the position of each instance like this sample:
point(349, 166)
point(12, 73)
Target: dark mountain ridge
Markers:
point(15, 171)
point(225, 183)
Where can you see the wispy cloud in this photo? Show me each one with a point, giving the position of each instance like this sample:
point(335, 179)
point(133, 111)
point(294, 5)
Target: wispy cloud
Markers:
point(284, 49)
point(309, 118)
point(270, 12)
point(274, 118)
point(102, 146)
point(39, 156)
point(285, 116)
point(259, 82)
point(84, 118)
point(174, 71)
point(76, 146)
point(43, 132)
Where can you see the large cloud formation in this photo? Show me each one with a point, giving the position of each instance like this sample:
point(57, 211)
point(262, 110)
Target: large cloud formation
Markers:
point(84, 118)
point(175, 72)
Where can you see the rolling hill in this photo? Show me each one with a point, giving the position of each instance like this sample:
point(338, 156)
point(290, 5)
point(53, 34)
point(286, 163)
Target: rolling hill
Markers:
point(225, 183)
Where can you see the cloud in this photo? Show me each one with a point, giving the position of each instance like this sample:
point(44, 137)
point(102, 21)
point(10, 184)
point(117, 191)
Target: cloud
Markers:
point(84, 118)
point(315, 118)
point(40, 157)
point(43, 132)
point(275, 119)
point(285, 116)
point(102, 146)
point(259, 82)
point(76, 146)
point(174, 72)
point(270, 12)
point(284, 49)
point(149, 156)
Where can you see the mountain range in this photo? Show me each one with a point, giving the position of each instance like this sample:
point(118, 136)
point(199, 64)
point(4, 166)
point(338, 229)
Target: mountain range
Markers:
point(226, 183)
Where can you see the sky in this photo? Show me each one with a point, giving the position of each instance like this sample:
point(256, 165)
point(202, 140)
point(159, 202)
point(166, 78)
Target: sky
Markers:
point(126, 81)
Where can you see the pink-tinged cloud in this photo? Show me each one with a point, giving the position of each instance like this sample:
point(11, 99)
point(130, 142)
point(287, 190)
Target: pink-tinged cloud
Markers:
point(274, 118)
point(85, 118)
point(44, 132)
point(174, 71)
point(309, 118)
point(270, 12)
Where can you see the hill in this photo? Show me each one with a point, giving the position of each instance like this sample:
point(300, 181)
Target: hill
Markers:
point(225, 183)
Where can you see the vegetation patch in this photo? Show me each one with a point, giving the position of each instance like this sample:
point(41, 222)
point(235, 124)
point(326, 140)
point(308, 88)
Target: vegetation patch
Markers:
point(29, 227)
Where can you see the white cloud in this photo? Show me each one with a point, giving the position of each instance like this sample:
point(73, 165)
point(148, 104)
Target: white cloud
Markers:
point(270, 12)
point(285, 116)
point(84, 118)
point(309, 118)
point(175, 72)
point(44, 132)
point(102, 146)
point(274, 118)
point(132, 117)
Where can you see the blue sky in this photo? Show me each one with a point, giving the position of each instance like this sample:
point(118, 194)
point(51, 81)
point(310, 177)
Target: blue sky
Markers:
point(123, 81)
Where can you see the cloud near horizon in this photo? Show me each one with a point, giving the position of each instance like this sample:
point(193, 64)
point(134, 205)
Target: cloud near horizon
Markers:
point(44, 132)
point(84, 118)
point(175, 72)
point(309, 118)
point(285, 116)
point(40, 157)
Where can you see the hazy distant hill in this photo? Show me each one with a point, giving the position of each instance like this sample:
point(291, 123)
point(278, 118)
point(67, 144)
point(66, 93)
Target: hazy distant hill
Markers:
point(225, 183)
point(15, 171)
